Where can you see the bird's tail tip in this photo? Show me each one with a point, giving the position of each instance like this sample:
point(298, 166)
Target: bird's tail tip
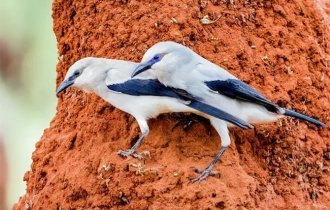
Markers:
point(291, 113)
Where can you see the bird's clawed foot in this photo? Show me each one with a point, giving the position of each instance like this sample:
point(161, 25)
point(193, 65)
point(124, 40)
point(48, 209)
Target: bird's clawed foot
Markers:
point(126, 153)
point(203, 174)
point(130, 152)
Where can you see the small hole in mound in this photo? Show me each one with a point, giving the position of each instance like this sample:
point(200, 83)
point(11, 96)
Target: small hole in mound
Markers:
point(220, 205)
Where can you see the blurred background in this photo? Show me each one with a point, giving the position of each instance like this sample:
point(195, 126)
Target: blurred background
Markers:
point(28, 57)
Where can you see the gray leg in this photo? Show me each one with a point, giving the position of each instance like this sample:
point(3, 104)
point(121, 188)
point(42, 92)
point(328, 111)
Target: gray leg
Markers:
point(126, 153)
point(221, 127)
point(145, 131)
point(208, 170)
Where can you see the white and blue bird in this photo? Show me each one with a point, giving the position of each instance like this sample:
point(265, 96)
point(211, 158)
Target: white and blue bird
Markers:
point(178, 67)
point(144, 97)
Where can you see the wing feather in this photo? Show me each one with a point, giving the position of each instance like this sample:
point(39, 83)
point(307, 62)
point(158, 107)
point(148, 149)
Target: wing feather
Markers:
point(152, 87)
point(237, 89)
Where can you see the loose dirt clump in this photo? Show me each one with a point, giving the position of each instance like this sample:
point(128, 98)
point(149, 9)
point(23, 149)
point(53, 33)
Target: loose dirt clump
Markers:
point(279, 47)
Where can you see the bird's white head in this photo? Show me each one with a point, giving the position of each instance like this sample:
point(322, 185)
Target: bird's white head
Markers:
point(85, 74)
point(164, 57)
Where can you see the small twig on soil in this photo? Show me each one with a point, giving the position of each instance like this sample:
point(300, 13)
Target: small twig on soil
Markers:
point(140, 170)
point(206, 20)
point(173, 20)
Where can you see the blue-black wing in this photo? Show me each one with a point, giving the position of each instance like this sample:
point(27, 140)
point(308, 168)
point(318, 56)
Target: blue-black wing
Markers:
point(152, 87)
point(237, 89)
point(149, 87)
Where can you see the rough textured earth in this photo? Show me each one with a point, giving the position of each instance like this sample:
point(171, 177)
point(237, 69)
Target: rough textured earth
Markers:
point(279, 47)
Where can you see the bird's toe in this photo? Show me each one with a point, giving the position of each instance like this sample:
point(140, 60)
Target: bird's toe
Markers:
point(123, 153)
point(203, 174)
point(126, 153)
point(137, 155)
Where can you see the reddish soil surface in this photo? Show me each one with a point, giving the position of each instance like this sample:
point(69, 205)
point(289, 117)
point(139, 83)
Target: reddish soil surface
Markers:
point(279, 47)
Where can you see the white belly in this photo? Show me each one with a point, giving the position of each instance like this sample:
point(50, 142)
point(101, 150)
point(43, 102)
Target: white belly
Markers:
point(145, 106)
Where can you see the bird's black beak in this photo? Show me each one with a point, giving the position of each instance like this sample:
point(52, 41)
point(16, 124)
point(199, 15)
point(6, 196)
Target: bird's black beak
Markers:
point(141, 68)
point(64, 85)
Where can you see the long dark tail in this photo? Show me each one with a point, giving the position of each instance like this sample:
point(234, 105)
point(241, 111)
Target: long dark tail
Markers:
point(291, 113)
point(215, 112)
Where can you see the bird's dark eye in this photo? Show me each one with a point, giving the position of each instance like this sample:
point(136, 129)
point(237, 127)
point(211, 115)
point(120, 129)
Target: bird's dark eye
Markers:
point(156, 57)
point(76, 73)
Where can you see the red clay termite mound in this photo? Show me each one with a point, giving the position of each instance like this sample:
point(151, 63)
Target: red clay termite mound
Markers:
point(279, 47)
